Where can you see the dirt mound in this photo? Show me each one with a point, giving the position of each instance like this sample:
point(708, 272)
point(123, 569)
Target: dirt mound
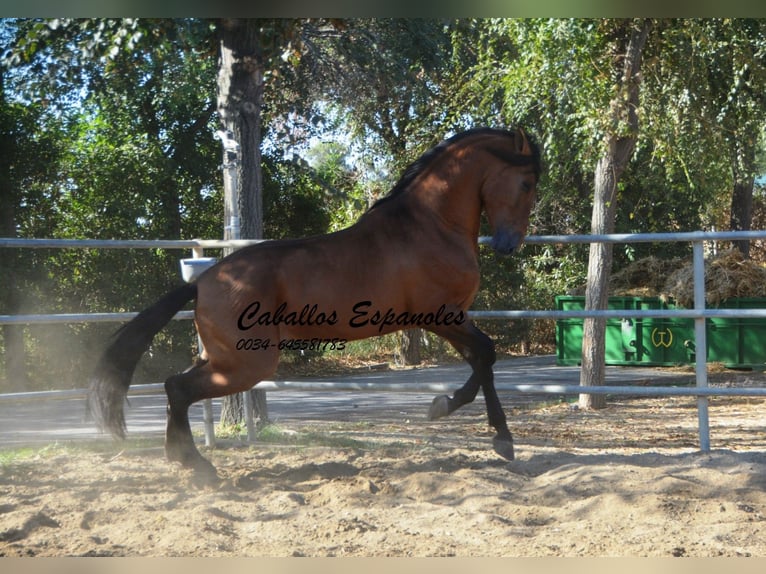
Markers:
point(625, 481)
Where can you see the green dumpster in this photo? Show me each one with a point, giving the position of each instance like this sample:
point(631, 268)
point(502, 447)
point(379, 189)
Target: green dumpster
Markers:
point(735, 342)
point(624, 343)
point(665, 342)
point(738, 343)
point(629, 340)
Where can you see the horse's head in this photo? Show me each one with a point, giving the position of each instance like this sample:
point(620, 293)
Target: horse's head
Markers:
point(509, 190)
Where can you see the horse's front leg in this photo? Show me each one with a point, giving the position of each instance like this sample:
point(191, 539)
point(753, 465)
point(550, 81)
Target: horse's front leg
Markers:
point(479, 351)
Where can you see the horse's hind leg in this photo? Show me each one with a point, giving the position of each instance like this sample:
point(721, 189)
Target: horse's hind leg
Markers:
point(479, 351)
point(198, 383)
point(183, 390)
point(207, 381)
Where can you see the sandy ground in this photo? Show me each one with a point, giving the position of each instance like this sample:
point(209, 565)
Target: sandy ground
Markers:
point(624, 481)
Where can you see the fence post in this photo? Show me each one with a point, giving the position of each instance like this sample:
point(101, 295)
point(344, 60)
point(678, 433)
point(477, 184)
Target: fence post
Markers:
point(249, 419)
point(700, 342)
point(207, 404)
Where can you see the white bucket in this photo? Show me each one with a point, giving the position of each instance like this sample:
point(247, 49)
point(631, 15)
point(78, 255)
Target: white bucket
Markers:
point(193, 268)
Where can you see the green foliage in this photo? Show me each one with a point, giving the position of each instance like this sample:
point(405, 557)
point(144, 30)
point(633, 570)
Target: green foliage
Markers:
point(343, 187)
point(295, 203)
point(387, 79)
point(135, 159)
point(701, 103)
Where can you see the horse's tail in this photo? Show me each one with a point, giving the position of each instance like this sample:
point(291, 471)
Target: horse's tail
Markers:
point(110, 381)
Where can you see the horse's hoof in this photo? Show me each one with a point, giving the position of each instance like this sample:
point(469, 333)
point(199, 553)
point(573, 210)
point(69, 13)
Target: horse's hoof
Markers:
point(439, 408)
point(205, 473)
point(201, 465)
point(503, 447)
point(192, 460)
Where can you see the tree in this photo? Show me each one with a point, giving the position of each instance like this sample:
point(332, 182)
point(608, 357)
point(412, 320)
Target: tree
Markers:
point(732, 56)
point(248, 51)
point(705, 111)
point(619, 143)
point(31, 142)
point(130, 106)
point(575, 82)
point(137, 101)
point(13, 336)
point(569, 79)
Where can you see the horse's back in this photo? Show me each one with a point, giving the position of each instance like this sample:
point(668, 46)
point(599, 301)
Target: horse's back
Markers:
point(380, 264)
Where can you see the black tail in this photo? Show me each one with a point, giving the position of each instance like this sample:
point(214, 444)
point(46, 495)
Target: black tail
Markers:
point(109, 383)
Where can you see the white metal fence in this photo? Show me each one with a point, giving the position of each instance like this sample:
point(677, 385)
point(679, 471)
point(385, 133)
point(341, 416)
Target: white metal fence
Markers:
point(699, 313)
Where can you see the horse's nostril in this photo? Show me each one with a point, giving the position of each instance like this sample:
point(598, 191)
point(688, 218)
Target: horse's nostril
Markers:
point(506, 241)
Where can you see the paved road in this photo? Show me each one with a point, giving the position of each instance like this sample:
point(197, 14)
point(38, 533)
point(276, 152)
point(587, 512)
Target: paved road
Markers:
point(49, 421)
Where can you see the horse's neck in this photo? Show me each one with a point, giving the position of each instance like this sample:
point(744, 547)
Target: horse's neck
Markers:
point(454, 200)
point(445, 195)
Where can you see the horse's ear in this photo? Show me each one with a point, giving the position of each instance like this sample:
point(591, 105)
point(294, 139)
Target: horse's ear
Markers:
point(522, 143)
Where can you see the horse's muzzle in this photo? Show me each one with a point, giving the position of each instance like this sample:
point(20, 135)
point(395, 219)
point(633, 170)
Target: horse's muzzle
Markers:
point(506, 241)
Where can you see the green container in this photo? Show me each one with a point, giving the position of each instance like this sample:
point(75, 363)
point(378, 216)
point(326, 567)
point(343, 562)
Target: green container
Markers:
point(629, 341)
point(665, 342)
point(623, 336)
point(736, 342)
point(569, 332)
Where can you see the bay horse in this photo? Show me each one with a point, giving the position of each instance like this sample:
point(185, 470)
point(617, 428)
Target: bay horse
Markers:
point(411, 260)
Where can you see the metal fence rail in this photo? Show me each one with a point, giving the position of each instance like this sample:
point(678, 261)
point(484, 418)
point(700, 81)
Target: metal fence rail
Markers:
point(699, 313)
point(680, 237)
point(526, 314)
point(350, 386)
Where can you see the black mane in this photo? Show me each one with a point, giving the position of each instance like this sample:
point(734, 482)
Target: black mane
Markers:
point(415, 168)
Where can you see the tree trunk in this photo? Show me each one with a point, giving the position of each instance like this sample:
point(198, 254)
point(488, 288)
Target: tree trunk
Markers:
point(410, 347)
point(597, 286)
point(617, 152)
point(240, 99)
point(232, 410)
point(742, 196)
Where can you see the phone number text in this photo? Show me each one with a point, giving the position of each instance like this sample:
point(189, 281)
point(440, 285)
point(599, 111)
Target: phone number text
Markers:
point(292, 344)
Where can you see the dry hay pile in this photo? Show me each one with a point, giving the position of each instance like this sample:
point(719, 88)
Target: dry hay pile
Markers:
point(727, 275)
point(644, 278)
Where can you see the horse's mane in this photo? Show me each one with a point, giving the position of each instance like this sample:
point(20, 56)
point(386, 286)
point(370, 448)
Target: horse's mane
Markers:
point(415, 168)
